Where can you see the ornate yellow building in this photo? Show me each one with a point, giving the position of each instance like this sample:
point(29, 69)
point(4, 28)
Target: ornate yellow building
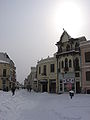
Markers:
point(47, 75)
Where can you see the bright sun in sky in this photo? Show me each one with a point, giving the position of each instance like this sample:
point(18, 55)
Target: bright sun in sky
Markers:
point(69, 15)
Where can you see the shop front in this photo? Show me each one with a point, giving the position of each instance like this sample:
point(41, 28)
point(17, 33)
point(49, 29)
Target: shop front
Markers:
point(66, 82)
point(52, 86)
point(69, 84)
point(43, 85)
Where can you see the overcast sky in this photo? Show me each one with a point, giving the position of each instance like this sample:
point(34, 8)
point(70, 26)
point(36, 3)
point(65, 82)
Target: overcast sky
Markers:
point(29, 29)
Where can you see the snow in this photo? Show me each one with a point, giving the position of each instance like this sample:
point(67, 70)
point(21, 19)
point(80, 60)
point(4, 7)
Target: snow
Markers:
point(43, 106)
point(1, 61)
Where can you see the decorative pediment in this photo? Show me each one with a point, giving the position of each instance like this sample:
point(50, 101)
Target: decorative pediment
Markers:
point(65, 37)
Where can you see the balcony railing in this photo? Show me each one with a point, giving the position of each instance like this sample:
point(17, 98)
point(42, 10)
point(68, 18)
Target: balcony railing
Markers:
point(67, 51)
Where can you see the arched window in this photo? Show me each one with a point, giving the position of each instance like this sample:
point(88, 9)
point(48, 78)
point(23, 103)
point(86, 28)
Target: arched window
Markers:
point(77, 61)
point(62, 64)
point(66, 62)
point(66, 65)
point(76, 46)
point(76, 64)
point(70, 63)
point(67, 47)
point(59, 67)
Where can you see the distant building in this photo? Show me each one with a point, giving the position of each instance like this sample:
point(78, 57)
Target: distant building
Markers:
point(85, 66)
point(7, 72)
point(25, 83)
point(31, 80)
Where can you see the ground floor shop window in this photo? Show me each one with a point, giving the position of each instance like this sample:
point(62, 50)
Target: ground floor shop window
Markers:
point(88, 91)
point(52, 87)
point(68, 87)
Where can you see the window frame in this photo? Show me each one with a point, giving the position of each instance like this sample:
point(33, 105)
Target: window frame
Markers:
point(52, 68)
point(88, 77)
point(87, 55)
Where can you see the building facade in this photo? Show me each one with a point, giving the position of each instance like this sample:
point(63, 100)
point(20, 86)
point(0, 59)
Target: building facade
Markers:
point(68, 69)
point(7, 72)
point(69, 63)
point(85, 63)
point(31, 80)
point(25, 83)
point(47, 75)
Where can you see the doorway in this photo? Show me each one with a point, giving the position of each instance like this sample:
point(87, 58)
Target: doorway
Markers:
point(44, 88)
point(78, 90)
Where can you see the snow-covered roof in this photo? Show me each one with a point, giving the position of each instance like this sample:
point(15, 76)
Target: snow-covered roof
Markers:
point(1, 61)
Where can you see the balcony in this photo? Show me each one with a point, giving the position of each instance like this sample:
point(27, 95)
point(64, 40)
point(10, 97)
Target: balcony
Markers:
point(64, 51)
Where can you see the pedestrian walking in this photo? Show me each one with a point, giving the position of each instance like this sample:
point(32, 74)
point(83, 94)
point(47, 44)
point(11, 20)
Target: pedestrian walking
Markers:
point(13, 89)
point(71, 93)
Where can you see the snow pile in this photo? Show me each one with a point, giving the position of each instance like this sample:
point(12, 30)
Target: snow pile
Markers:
point(43, 106)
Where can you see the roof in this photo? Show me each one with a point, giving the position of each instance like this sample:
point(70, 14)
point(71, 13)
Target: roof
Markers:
point(64, 34)
point(66, 37)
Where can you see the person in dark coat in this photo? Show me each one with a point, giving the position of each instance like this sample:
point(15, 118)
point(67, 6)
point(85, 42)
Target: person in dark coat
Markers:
point(13, 90)
point(71, 93)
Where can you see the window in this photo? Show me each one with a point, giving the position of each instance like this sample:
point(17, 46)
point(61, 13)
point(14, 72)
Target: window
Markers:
point(67, 47)
point(62, 64)
point(66, 65)
point(52, 67)
point(76, 46)
point(59, 67)
point(66, 62)
point(39, 70)
point(4, 81)
point(4, 72)
point(77, 74)
point(88, 76)
point(87, 57)
point(76, 64)
point(70, 63)
point(44, 70)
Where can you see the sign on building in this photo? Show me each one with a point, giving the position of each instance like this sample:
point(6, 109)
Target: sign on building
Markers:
point(68, 80)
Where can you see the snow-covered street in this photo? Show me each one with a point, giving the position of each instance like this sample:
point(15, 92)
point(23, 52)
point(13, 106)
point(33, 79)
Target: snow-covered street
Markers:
point(43, 106)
